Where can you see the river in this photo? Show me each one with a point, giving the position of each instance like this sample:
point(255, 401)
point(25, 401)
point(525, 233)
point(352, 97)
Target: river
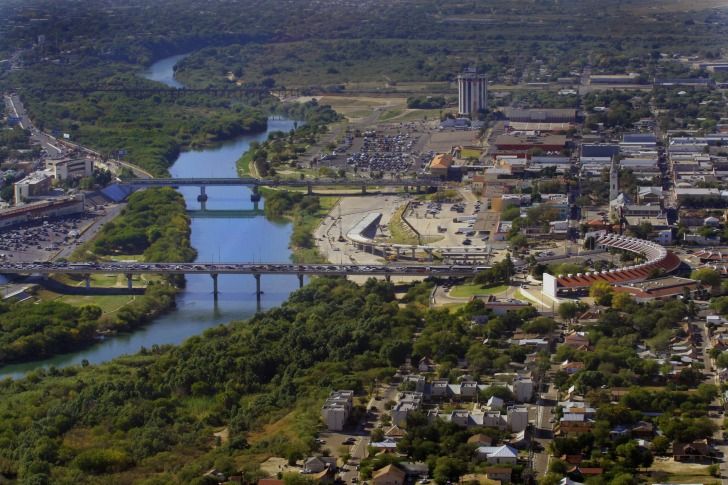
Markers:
point(215, 239)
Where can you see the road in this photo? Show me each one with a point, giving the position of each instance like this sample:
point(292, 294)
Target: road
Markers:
point(544, 429)
point(49, 145)
point(130, 268)
point(90, 231)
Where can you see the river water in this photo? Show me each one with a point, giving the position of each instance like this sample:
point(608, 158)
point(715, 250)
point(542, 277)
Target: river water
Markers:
point(224, 239)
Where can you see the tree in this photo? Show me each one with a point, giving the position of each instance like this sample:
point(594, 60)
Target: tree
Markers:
point(448, 469)
point(622, 301)
point(707, 277)
point(601, 291)
point(569, 310)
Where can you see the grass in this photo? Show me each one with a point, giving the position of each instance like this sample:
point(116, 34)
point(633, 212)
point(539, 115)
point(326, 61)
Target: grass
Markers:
point(474, 289)
point(309, 223)
point(470, 153)
point(669, 471)
point(401, 233)
point(107, 303)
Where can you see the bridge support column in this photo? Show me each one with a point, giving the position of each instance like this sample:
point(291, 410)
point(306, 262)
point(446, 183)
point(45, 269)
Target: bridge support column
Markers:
point(309, 189)
point(203, 195)
point(257, 289)
point(387, 278)
point(129, 284)
point(214, 284)
point(413, 253)
point(255, 197)
point(300, 281)
point(363, 189)
point(406, 188)
point(87, 278)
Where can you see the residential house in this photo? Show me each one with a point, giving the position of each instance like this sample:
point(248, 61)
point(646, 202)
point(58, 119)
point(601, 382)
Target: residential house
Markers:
point(389, 475)
point(695, 452)
point(317, 464)
point(426, 365)
point(480, 439)
point(408, 402)
point(499, 473)
point(572, 367)
point(497, 455)
point(577, 340)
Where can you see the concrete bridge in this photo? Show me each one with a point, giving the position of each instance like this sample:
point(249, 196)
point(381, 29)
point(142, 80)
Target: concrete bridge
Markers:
point(308, 184)
point(256, 269)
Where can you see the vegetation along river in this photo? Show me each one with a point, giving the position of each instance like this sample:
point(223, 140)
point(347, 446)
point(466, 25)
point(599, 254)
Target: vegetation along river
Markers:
point(235, 238)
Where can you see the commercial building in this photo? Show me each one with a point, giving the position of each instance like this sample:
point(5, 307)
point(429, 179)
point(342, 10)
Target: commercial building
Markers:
point(549, 143)
point(57, 207)
point(34, 185)
point(440, 164)
point(550, 115)
point(336, 409)
point(659, 289)
point(631, 78)
point(71, 168)
point(472, 92)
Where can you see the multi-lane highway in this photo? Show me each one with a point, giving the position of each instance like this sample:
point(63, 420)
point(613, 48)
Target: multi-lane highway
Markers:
point(130, 268)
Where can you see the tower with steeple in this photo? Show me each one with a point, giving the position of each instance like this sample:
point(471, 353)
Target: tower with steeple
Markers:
point(613, 180)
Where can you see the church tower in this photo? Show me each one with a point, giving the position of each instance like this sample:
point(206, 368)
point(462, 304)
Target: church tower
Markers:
point(613, 180)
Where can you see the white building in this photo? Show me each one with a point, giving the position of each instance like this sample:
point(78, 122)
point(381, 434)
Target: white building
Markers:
point(336, 409)
point(517, 417)
point(498, 455)
point(472, 92)
point(71, 168)
point(408, 402)
point(34, 185)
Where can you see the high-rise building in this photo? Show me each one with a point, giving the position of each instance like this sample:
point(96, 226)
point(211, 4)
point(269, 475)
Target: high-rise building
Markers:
point(472, 92)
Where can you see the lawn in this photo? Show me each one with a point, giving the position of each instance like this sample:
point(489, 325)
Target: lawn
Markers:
point(669, 471)
point(473, 289)
point(470, 153)
point(401, 233)
point(107, 303)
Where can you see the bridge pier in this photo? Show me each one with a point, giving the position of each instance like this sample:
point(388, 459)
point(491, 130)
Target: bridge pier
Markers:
point(387, 278)
point(309, 189)
point(203, 194)
point(129, 284)
point(87, 279)
point(214, 285)
point(257, 288)
point(300, 280)
point(363, 189)
point(255, 197)
point(413, 253)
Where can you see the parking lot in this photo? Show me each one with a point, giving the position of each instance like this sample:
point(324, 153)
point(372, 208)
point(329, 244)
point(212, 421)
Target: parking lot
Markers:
point(396, 149)
point(40, 240)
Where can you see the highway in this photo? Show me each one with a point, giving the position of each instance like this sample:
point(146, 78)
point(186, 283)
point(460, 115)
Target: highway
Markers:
point(131, 268)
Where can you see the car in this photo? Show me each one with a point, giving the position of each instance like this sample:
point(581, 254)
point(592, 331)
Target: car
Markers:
point(423, 481)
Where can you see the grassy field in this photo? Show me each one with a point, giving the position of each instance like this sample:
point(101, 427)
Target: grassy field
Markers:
point(473, 289)
point(669, 471)
point(469, 153)
point(107, 303)
point(309, 224)
point(401, 233)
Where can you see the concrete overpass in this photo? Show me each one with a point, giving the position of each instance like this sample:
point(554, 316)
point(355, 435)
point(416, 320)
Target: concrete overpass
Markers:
point(256, 269)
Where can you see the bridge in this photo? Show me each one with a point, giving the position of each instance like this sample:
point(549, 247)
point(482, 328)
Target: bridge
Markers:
point(309, 184)
point(175, 92)
point(256, 269)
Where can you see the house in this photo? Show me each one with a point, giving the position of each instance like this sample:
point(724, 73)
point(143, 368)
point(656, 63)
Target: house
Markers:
point(495, 403)
point(415, 470)
point(644, 430)
point(577, 340)
point(270, 481)
point(572, 367)
point(497, 455)
point(520, 441)
point(408, 402)
point(695, 452)
point(440, 164)
point(324, 476)
point(584, 472)
point(426, 365)
point(572, 459)
point(517, 418)
point(389, 475)
point(317, 464)
point(480, 439)
point(499, 473)
point(394, 432)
